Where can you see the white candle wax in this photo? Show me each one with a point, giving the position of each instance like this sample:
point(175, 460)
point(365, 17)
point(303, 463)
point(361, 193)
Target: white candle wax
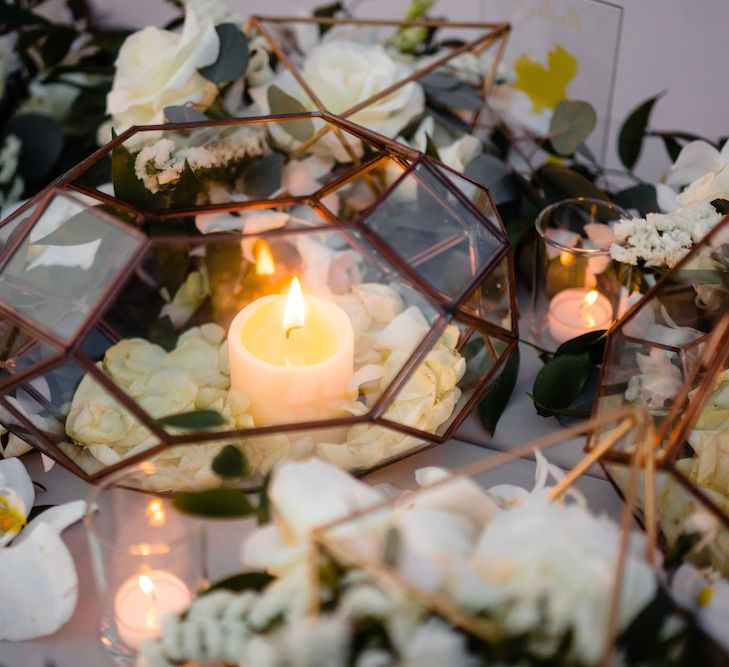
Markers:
point(143, 600)
point(291, 374)
point(577, 311)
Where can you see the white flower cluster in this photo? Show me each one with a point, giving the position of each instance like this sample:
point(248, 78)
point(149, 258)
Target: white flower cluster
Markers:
point(541, 571)
point(11, 184)
point(663, 239)
point(193, 376)
point(160, 165)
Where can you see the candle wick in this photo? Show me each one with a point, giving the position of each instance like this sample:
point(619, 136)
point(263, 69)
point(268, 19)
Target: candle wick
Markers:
point(290, 330)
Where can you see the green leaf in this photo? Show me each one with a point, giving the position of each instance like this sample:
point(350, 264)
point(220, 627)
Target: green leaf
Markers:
point(572, 123)
point(262, 177)
point(282, 103)
point(185, 191)
point(126, 184)
point(392, 547)
point(464, 96)
point(183, 114)
point(569, 183)
point(560, 382)
point(84, 227)
point(263, 513)
point(632, 133)
point(43, 141)
point(197, 420)
point(430, 147)
point(57, 44)
point(641, 197)
point(230, 463)
point(518, 228)
point(495, 175)
point(592, 343)
point(232, 61)
point(327, 11)
point(247, 581)
point(12, 16)
point(494, 403)
point(220, 503)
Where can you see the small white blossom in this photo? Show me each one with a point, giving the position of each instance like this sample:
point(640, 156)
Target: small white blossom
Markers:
point(663, 239)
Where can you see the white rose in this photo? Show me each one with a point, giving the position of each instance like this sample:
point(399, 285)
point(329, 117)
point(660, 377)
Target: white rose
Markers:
point(343, 74)
point(132, 358)
point(158, 68)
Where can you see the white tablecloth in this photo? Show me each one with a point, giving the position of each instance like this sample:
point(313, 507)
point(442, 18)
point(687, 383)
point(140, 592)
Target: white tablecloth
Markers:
point(77, 644)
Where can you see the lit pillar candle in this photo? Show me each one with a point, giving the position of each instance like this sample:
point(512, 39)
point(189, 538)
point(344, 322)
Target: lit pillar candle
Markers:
point(576, 311)
point(292, 356)
point(142, 602)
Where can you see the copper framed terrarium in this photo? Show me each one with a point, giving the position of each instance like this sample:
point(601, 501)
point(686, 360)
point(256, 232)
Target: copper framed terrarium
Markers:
point(450, 76)
point(476, 515)
point(670, 354)
point(120, 282)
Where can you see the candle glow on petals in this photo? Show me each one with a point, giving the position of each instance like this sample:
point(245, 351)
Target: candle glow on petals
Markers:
point(156, 513)
point(265, 264)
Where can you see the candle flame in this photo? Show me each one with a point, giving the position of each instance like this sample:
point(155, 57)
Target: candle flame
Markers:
point(156, 513)
point(265, 266)
point(566, 258)
point(591, 297)
point(146, 584)
point(294, 312)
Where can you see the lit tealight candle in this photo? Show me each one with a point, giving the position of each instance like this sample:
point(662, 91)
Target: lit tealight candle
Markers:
point(576, 311)
point(143, 600)
point(292, 356)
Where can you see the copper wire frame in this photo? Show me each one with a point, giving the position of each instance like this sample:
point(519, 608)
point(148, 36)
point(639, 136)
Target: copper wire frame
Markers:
point(633, 423)
point(710, 354)
point(493, 35)
point(449, 308)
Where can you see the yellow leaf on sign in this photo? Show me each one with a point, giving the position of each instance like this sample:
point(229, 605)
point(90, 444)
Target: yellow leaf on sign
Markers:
point(546, 87)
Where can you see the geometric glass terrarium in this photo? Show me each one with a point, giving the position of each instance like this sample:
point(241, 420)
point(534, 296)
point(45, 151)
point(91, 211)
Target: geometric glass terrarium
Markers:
point(367, 290)
point(498, 568)
point(456, 72)
point(671, 355)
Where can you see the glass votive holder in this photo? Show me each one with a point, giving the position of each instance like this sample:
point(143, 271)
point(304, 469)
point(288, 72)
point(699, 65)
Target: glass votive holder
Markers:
point(576, 287)
point(148, 559)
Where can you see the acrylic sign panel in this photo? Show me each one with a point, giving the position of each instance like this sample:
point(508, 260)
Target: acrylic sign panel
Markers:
point(563, 45)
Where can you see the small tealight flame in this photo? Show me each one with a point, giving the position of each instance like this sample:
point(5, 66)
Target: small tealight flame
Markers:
point(294, 312)
point(156, 513)
point(566, 258)
point(265, 266)
point(146, 584)
point(591, 297)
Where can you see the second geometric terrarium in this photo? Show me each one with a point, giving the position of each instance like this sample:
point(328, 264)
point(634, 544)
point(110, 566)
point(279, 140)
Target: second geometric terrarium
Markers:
point(192, 286)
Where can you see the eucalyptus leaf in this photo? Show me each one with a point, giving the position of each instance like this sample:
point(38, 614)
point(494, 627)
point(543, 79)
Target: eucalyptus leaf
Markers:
point(197, 420)
point(572, 123)
point(495, 175)
point(222, 503)
point(568, 183)
point(465, 97)
point(494, 403)
point(392, 547)
point(238, 583)
point(560, 382)
point(262, 177)
point(282, 103)
point(232, 61)
point(633, 132)
point(440, 80)
point(230, 463)
point(13, 16)
point(327, 11)
point(184, 114)
point(84, 227)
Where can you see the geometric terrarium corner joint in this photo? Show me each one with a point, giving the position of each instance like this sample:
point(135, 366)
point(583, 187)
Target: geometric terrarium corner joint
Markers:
point(290, 285)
